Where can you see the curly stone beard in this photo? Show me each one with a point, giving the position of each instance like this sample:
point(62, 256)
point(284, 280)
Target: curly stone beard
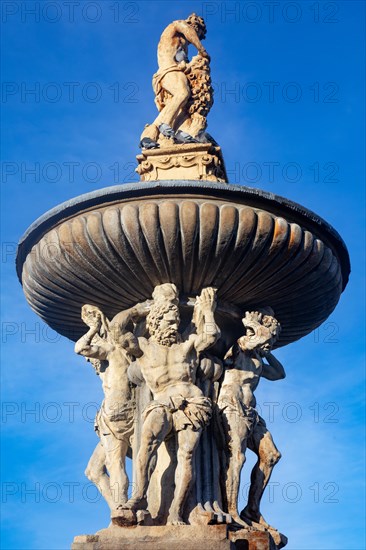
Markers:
point(166, 336)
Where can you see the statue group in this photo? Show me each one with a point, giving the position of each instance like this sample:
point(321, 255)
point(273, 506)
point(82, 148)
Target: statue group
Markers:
point(179, 374)
point(182, 87)
point(184, 416)
point(178, 402)
point(176, 144)
point(175, 402)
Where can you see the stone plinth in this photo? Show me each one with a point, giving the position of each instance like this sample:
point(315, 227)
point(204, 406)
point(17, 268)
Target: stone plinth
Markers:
point(193, 161)
point(174, 537)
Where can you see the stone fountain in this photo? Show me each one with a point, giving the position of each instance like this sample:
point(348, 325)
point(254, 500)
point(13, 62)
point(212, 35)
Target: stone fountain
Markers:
point(177, 289)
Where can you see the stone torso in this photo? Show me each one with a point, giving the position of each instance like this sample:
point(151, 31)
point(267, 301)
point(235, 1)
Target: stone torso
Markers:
point(116, 386)
point(241, 380)
point(169, 370)
point(172, 48)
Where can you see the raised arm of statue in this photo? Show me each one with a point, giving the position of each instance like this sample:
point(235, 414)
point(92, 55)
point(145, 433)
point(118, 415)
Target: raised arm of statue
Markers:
point(99, 349)
point(190, 35)
point(133, 314)
point(207, 330)
point(123, 323)
point(273, 370)
point(91, 345)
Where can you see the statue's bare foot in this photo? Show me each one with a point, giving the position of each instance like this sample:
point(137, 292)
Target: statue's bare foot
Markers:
point(222, 517)
point(175, 519)
point(134, 504)
point(215, 517)
point(239, 521)
point(256, 518)
point(208, 508)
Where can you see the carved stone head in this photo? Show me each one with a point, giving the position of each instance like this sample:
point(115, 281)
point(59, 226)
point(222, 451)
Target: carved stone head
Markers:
point(198, 24)
point(163, 319)
point(262, 331)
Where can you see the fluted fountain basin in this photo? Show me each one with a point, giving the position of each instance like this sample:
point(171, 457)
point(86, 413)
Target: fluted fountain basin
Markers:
point(111, 248)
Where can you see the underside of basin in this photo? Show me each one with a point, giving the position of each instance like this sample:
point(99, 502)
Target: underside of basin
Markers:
point(111, 248)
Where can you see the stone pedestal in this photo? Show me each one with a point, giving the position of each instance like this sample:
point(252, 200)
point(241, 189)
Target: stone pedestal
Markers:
point(193, 161)
point(174, 537)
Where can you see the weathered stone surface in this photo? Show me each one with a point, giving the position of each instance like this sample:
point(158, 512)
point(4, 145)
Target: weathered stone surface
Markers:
point(256, 249)
point(213, 537)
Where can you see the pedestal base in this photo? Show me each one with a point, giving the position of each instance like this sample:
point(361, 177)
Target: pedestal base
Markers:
point(193, 161)
point(174, 537)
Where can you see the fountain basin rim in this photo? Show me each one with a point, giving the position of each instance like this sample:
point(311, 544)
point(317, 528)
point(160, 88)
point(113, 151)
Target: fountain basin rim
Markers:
point(253, 197)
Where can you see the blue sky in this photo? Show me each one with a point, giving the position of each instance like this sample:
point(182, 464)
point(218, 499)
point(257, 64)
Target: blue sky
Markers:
point(289, 115)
